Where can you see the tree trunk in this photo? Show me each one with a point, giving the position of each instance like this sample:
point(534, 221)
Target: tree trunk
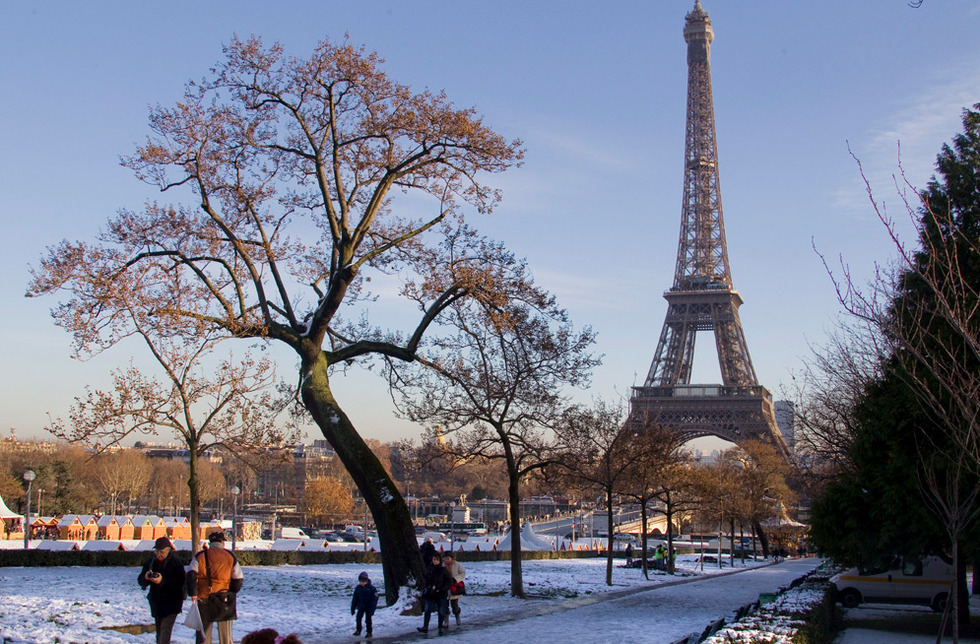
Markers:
point(514, 496)
point(609, 537)
point(731, 542)
point(401, 559)
point(962, 594)
point(669, 513)
point(643, 537)
point(763, 539)
point(195, 499)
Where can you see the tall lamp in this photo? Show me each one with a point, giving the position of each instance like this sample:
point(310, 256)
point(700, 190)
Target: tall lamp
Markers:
point(235, 490)
point(29, 477)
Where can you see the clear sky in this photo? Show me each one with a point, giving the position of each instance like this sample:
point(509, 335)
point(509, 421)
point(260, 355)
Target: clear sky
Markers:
point(596, 91)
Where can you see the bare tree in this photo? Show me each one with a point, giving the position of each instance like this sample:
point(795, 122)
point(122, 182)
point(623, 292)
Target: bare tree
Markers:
point(827, 390)
point(496, 381)
point(205, 405)
point(597, 448)
point(169, 483)
point(276, 150)
point(675, 492)
point(123, 473)
point(753, 476)
point(211, 483)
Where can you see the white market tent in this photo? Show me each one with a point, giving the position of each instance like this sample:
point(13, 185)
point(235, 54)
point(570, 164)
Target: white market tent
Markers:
point(5, 512)
point(530, 540)
point(12, 522)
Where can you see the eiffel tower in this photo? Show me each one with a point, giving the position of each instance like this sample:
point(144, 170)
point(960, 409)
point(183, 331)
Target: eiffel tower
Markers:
point(702, 297)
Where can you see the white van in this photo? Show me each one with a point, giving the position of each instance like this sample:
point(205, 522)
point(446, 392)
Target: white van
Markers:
point(293, 533)
point(902, 580)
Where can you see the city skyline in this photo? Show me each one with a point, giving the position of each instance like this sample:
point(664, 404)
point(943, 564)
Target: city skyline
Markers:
point(597, 95)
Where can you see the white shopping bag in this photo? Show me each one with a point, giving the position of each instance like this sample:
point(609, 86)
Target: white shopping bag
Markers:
point(193, 618)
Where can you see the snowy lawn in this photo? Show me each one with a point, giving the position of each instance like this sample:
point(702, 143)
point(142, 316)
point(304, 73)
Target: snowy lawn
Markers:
point(75, 604)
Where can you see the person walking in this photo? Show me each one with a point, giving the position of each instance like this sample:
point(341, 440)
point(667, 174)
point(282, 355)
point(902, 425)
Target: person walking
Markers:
point(164, 575)
point(435, 593)
point(427, 549)
point(212, 571)
point(364, 603)
point(457, 589)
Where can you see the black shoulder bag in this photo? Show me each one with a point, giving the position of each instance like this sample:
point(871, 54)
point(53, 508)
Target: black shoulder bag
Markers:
point(220, 606)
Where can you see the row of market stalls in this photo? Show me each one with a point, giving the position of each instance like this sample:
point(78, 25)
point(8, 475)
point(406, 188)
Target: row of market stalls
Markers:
point(92, 528)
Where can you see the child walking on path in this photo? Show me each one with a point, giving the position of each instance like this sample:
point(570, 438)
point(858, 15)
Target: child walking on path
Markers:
point(364, 603)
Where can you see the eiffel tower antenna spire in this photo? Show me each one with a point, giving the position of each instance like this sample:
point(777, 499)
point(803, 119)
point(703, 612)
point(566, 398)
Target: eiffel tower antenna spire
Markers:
point(702, 296)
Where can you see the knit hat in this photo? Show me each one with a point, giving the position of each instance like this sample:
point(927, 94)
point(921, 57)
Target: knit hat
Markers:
point(363, 577)
point(162, 543)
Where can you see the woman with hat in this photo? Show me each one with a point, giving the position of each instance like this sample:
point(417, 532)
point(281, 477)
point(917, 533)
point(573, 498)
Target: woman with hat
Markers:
point(164, 575)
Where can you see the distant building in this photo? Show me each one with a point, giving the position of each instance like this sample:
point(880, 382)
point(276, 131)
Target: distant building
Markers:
point(176, 452)
point(786, 421)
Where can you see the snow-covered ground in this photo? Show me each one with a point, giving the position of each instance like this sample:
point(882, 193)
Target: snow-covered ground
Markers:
point(73, 604)
point(569, 601)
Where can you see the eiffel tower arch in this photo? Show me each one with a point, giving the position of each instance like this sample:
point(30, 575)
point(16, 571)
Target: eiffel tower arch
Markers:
point(702, 296)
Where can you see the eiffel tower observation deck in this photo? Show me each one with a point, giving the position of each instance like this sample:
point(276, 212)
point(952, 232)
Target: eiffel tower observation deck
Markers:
point(702, 297)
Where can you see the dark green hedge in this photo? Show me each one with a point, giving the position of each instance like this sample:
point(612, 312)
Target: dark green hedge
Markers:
point(822, 624)
point(248, 557)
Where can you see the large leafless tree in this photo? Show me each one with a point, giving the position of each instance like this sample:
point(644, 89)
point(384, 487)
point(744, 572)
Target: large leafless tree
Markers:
point(284, 174)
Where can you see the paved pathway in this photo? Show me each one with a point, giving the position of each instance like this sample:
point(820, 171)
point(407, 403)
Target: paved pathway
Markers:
point(655, 615)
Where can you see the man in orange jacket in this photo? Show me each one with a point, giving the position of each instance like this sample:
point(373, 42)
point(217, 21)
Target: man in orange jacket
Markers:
point(212, 571)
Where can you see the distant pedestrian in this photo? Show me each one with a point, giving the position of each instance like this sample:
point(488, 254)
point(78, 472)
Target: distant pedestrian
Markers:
point(164, 576)
point(435, 593)
point(364, 603)
point(629, 554)
point(458, 588)
point(427, 549)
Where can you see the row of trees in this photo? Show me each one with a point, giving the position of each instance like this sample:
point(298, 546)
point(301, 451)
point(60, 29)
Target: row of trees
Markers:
point(71, 479)
point(892, 404)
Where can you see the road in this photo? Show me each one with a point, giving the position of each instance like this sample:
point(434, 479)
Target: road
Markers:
point(659, 615)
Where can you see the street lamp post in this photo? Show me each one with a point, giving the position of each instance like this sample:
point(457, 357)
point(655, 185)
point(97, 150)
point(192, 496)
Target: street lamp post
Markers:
point(234, 518)
point(29, 477)
point(452, 526)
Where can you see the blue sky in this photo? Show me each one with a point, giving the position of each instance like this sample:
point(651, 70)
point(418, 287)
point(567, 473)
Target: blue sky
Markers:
point(597, 93)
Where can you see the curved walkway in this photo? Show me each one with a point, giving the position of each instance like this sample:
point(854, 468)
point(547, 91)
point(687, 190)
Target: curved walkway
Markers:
point(655, 614)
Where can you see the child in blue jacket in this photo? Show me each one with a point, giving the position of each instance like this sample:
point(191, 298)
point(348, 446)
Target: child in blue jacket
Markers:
point(364, 602)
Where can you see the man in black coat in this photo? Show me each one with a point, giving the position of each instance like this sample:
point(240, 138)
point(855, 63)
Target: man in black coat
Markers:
point(164, 575)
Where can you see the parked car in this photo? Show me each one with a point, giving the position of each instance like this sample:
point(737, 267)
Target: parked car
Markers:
point(900, 580)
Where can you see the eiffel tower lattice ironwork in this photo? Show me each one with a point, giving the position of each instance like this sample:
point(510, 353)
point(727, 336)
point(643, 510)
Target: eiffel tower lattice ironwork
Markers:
point(702, 297)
